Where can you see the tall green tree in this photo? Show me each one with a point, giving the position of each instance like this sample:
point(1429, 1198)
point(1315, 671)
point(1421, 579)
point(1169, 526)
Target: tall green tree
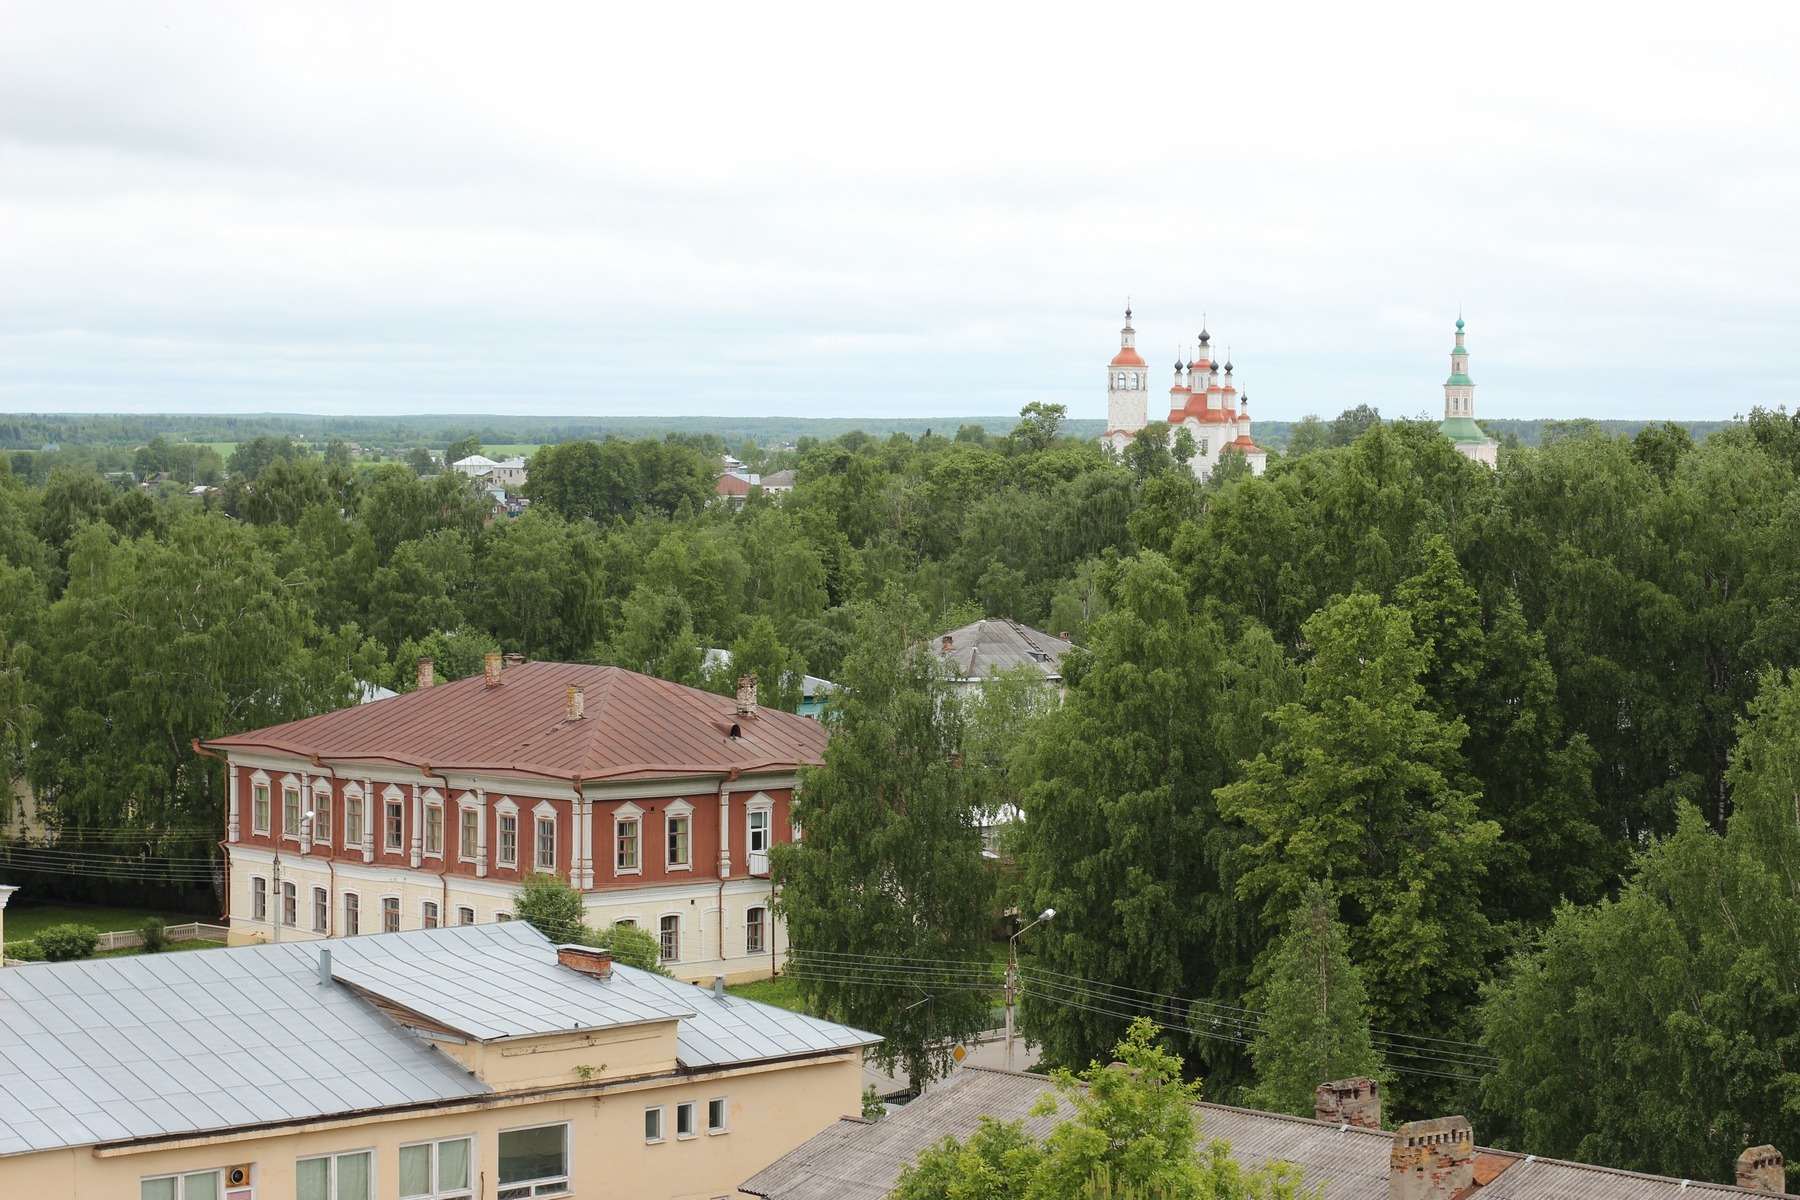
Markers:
point(886, 885)
point(1314, 1027)
point(1359, 789)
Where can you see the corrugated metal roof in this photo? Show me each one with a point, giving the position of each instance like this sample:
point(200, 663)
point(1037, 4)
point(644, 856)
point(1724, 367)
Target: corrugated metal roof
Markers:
point(854, 1160)
point(635, 726)
point(986, 647)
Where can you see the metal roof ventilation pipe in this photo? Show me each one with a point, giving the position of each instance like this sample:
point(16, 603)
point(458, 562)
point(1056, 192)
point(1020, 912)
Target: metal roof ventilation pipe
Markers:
point(718, 987)
point(324, 965)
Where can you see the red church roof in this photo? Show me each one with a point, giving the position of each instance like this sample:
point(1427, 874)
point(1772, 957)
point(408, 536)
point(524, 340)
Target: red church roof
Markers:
point(634, 727)
point(1127, 358)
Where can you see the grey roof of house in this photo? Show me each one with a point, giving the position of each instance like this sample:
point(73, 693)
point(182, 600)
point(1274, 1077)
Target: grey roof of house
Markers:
point(856, 1160)
point(152, 1045)
point(986, 647)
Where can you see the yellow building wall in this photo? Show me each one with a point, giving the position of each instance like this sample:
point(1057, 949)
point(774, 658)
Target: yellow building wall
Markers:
point(618, 1053)
point(771, 1111)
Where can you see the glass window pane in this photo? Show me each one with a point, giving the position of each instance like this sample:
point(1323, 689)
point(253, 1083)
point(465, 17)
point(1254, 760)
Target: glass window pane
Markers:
point(202, 1185)
point(353, 1177)
point(312, 1179)
point(157, 1189)
point(453, 1164)
point(532, 1153)
point(415, 1170)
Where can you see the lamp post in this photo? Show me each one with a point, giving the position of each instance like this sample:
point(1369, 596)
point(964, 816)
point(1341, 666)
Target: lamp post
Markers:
point(1012, 980)
point(280, 898)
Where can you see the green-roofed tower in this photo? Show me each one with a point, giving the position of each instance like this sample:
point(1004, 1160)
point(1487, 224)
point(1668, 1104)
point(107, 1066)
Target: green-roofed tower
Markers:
point(1459, 408)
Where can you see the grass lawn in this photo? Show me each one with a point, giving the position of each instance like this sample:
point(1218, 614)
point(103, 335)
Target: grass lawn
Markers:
point(782, 993)
point(26, 921)
point(224, 448)
point(511, 448)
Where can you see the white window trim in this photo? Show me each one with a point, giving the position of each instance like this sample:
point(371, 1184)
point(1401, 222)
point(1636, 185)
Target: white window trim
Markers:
point(398, 910)
point(261, 779)
point(436, 806)
point(474, 917)
point(317, 893)
point(762, 802)
point(356, 896)
point(627, 812)
point(425, 904)
point(693, 1107)
point(264, 915)
point(671, 811)
point(393, 795)
point(291, 783)
point(724, 1125)
point(545, 811)
point(463, 807)
point(474, 1186)
point(310, 799)
point(662, 1125)
point(180, 1179)
point(281, 913)
point(767, 941)
point(568, 1176)
point(331, 1181)
point(679, 932)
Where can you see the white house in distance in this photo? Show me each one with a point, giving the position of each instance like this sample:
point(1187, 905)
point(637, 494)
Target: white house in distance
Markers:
point(508, 473)
point(658, 802)
point(1203, 400)
point(985, 648)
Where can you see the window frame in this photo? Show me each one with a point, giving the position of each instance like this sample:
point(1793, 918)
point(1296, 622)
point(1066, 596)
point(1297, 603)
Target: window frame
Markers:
point(543, 1185)
point(290, 811)
point(259, 898)
point(507, 852)
point(465, 910)
point(321, 910)
point(628, 840)
point(765, 810)
point(180, 1178)
point(331, 1173)
point(352, 914)
point(468, 833)
point(353, 828)
point(393, 825)
point(678, 841)
point(756, 918)
point(390, 914)
point(662, 1125)
point(434, 831)
point(662, 935)
point(430, 915)
point(688, 1111)
point(541, 823)
point(321, 811)
point(434, 1170)
point(290, 904)
point(721, 1105)
point(260, 807)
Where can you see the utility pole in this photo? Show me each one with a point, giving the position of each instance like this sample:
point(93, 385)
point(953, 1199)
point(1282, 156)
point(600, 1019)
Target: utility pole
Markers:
point(1012, 981)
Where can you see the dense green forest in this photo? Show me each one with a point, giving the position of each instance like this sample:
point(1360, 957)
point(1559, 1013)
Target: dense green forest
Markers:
point(1530, 730)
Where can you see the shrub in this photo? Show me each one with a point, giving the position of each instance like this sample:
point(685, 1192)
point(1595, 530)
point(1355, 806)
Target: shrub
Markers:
point(632, 946)
point(155, 935)
point(65, 943)
point(26, 951)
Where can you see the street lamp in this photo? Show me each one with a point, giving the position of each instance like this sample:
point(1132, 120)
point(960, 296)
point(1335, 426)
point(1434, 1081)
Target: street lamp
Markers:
point(1012, 980)
point(280, 897)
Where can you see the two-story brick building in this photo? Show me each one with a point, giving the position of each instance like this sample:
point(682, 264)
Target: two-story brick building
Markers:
point(658, 802)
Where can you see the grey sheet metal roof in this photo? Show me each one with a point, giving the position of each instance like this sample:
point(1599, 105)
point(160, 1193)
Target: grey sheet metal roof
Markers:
point(151, 1045)
point(854, 1160)
point(986, 647)
point(119, 1048)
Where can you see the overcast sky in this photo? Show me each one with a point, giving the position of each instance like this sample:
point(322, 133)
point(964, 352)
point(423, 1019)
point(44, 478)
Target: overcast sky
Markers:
point(921, 209)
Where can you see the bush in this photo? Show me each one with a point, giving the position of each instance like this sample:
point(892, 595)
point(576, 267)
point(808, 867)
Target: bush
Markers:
point(65, 943)
point(155, 934)
point(26, 951)
point(632, 946)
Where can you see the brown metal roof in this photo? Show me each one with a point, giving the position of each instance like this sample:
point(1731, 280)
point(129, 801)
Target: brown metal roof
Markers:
point(634, 727)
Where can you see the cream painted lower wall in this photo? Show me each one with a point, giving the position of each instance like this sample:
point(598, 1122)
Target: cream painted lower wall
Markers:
point(771, 1110)
point(697, 905)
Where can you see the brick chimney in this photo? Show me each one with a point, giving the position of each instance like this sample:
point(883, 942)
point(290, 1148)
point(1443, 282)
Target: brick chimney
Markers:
point(425, 679)
point(1431, 1160)
point(1349, 1102)
point(1762, 1169)
point(585, 959)
point(746, 696)
point(514, 660)
point(944, 644)
point(490, 670)
point(574, 704)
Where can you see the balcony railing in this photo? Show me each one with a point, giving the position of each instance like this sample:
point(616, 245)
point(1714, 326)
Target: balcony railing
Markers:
point(757, 863)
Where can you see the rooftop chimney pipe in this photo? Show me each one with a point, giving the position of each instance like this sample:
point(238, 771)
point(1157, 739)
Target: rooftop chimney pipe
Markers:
point(586, 959)
point(576, 706)
point(425, 679)
point(514, 660)
point(1349, 1102)
point(718, 987)
point(1431, 1160)
point(1762, 1169)
point(325, 966)
point(490, 669)
point(746, 696)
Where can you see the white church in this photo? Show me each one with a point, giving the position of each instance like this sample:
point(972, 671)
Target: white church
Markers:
point(1203, 400)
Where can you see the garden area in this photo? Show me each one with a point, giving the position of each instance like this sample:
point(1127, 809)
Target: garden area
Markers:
point(65, 932)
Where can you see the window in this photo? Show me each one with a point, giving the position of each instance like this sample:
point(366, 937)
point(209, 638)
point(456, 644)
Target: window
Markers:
point(670, 938)
point(465, 915)
point(353, 825)
point(290, 811)
point(678, 841)
point(390, 914)
point(259, 898)
point(437, 1170)
point(197, 1185)
point(434, 829)
point(684, 1120)
point(546, 843)
point(500, 916)
point(290, 905)
point(259, 808)
point(395, 816)
point(321, 910)
point(653, 1124)
point(471, 833)
point(509, 840)
point(352, 914)
point(716, 1112)
point(753, 930)
point(322, 817)
point(625, 839)
point(336, 1177)
point(534, 1162)
point(759, 831)
point(428, 915)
